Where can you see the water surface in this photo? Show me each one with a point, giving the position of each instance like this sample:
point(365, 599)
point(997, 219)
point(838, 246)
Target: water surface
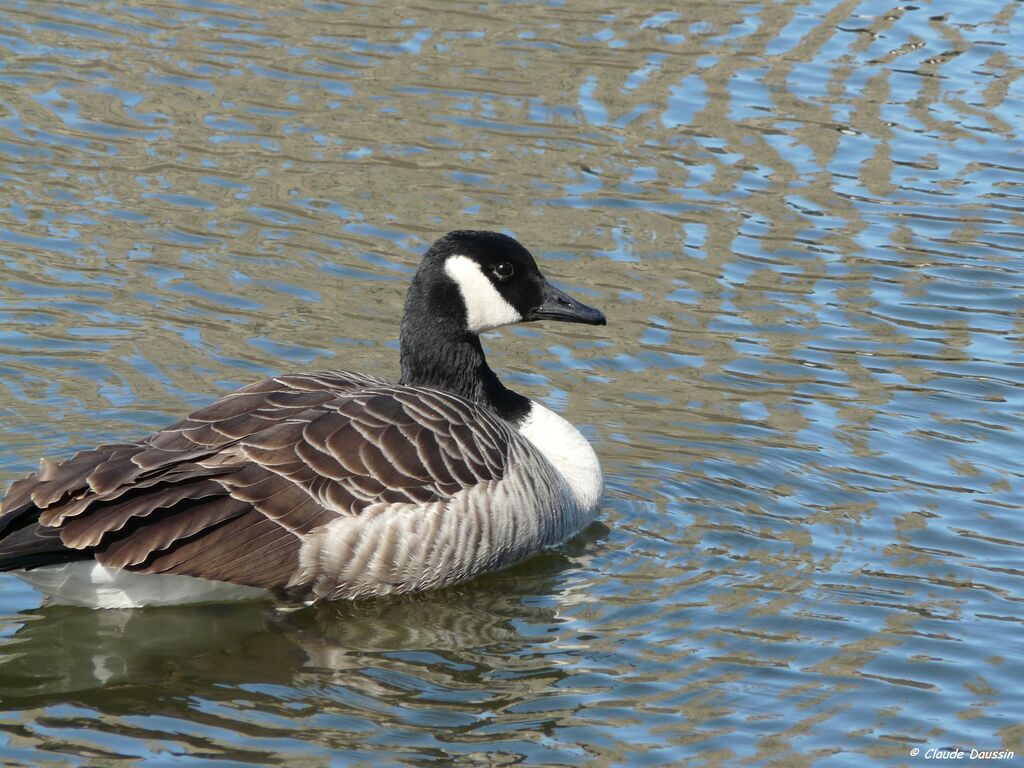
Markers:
point(804, 221)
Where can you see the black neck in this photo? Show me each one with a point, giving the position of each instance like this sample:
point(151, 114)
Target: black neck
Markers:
point(443, 357)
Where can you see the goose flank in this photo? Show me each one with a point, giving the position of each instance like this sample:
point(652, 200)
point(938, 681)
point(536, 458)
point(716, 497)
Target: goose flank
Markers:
point(329, 485)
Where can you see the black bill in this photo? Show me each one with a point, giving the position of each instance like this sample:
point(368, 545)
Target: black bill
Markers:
point(559, 305)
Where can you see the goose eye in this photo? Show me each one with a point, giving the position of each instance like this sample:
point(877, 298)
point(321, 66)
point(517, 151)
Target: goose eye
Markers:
point(503, 270)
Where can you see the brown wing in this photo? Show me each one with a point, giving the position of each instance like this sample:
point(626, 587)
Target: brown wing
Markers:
point(230, 492)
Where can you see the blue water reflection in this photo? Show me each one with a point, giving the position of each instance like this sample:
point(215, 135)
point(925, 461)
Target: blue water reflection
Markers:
point(804, 224)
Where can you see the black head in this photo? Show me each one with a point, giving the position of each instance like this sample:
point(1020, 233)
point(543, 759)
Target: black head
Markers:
point(487, 280)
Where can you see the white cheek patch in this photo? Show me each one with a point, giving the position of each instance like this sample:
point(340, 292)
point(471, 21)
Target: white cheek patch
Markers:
point(485, 307)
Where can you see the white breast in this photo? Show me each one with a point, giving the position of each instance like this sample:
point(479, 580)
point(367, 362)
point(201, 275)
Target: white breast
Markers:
point(569, 453)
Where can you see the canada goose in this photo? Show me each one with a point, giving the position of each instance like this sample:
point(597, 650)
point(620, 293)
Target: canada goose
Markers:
point(329, 485)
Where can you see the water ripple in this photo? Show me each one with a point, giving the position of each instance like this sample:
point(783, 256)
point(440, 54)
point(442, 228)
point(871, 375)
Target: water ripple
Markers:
point(804, 224)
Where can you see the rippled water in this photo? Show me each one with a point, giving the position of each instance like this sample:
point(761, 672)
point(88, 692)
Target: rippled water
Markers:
point(805, 223)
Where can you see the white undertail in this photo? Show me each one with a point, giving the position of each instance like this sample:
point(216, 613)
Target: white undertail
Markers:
point(92, 585)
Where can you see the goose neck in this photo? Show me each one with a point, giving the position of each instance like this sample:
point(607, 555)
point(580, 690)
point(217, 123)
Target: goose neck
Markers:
point(456, 363)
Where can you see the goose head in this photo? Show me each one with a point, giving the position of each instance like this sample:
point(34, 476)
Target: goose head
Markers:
point(478, 281)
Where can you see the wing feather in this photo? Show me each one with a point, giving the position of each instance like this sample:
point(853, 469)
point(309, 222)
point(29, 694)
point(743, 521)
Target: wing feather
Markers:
point(230, 492)
point(159, 535)
point(88, 530)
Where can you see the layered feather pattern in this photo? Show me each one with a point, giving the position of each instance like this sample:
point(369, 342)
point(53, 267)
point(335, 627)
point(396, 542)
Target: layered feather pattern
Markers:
point(331, 484)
